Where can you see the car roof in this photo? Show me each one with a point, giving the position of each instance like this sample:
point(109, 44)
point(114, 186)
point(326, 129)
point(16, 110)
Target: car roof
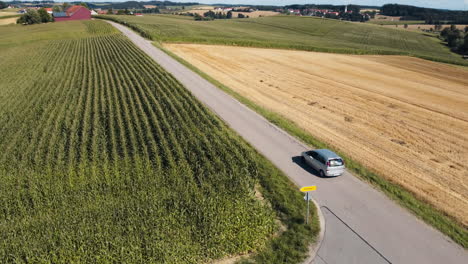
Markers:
point(326, 153)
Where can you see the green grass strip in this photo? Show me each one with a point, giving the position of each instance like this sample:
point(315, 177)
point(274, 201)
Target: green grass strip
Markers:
point(292, 245)
point(396, 192)
point(10, 16)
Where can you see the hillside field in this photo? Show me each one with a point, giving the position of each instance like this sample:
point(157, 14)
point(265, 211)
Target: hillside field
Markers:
point(291, 32)
point(404, 118)
point(106, 158)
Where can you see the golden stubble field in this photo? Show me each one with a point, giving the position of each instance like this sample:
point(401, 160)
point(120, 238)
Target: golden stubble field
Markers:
point(8, 21)
point(404, 118)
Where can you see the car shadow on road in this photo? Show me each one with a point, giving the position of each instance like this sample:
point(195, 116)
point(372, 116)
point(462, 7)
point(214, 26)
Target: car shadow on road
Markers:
point(300, 162)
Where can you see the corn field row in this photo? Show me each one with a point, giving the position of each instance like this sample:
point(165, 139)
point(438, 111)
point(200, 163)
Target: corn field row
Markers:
point(107, 158)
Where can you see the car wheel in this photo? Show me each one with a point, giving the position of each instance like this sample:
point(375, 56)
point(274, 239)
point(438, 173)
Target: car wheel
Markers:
point(322, 174)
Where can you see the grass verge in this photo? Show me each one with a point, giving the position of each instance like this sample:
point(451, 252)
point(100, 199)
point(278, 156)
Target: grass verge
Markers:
point(292, 245)
point(396, 192)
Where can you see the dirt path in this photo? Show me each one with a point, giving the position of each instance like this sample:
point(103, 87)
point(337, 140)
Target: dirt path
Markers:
point(405, 118)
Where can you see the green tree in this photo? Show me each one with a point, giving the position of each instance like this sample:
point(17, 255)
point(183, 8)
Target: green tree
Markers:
point(406, 25)
point(3, 5)
point(56, 8)
point(455, 39)
point(464, 47)
point(229, 15)
point(65, 6)
point(210, 14)
point(110, 11)
point(29, 18)
point(120, 12)
point(197, 17)
point(444, 33)
point(45, 17)
point(240, 15)
point(466, 30)
point(84, 4)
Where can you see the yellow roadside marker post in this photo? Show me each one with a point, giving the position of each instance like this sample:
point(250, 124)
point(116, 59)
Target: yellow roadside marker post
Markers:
point(307, 197)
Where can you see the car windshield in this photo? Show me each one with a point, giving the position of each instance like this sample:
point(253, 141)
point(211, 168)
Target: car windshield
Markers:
point(336, 162)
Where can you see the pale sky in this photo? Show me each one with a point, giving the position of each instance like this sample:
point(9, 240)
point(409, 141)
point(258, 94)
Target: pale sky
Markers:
point(445, 4)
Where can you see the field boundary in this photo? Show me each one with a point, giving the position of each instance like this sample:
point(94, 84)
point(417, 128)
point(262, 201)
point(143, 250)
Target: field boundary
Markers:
point(417, 206)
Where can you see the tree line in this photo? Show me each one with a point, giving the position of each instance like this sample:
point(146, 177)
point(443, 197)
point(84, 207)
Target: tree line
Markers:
point(430, 15)
point(210, 15)
point(456, 39)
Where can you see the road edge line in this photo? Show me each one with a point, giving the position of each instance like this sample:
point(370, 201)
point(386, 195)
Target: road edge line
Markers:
point(315, 247)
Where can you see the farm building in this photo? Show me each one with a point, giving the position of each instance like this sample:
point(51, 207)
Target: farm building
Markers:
point(75, 12)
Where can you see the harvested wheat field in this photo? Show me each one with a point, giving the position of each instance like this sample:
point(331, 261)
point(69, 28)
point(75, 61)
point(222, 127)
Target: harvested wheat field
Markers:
point(404, 118)
point(7, 21)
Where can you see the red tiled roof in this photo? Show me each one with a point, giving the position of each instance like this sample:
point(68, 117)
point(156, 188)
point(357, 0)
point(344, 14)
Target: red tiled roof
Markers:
point(48, 9)
point(73, 9)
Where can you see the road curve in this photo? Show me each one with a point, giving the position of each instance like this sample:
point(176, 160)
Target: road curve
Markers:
point(362, 224)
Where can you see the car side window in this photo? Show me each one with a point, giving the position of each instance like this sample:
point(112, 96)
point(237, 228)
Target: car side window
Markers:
point(313, 154)
point(321, 159)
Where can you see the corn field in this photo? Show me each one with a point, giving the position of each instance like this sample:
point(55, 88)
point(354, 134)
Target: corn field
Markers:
point(106, 158)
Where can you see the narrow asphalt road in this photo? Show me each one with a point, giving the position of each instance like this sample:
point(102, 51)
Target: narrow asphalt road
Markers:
point(362, 225)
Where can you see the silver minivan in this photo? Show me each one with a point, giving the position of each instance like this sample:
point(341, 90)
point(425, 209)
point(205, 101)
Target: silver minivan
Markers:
point(325, 161)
